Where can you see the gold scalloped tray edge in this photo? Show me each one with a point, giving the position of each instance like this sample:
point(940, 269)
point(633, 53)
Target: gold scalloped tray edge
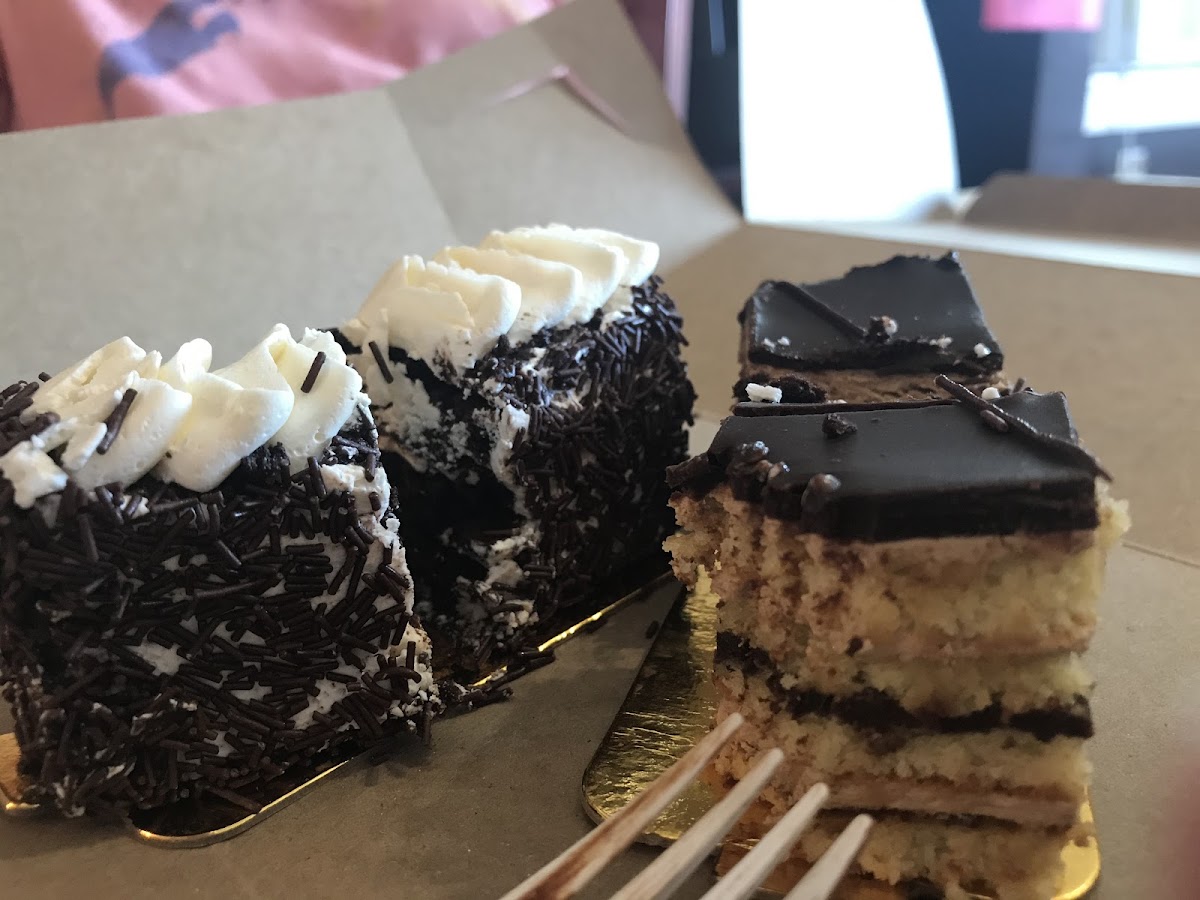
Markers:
point(670, 707)
point(12, 788)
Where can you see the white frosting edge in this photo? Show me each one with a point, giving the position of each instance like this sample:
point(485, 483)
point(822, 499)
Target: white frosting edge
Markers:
point(187, 424)
point(453, 309)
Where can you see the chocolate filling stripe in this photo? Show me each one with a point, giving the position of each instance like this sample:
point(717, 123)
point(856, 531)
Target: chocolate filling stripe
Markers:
point(870, 709)
point(840, 816)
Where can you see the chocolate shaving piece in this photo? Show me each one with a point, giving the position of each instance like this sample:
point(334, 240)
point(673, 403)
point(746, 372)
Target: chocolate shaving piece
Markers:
point(881, 328)
point(313, 371)
point(993, 421)
point(113, 423)
point(1066, 448)
point(381, 361)
point(835, 426)
point(830, 314)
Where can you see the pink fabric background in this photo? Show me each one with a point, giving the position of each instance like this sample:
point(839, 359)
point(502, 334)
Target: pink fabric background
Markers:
point(1041, 15)
point(236, 52)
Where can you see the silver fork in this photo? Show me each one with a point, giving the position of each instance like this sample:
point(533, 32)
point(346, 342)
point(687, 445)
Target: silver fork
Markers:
point(566, 874)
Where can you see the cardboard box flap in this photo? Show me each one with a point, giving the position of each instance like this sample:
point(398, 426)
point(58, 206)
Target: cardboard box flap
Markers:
point(1120, 344)
point(1167, 211)
point(216, 225)
point(506, 144)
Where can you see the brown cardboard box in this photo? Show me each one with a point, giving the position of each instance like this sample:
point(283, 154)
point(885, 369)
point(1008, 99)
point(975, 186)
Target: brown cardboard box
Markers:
point(221, 225)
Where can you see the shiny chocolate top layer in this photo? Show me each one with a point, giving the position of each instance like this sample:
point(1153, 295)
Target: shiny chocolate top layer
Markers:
point(908, 314)
point(884, 472)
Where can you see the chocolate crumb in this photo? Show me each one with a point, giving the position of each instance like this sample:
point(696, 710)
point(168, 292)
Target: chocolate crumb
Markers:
point(836, 426)
point(855, 644)
point(652, 629)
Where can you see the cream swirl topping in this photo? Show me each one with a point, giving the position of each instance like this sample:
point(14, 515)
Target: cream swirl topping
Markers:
point(189, 425)
point(457, 306)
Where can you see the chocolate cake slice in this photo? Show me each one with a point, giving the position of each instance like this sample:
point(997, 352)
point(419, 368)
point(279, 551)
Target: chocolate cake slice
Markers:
point(878, 333)
point(904, 591)
point(202, 588)
point(530, 395)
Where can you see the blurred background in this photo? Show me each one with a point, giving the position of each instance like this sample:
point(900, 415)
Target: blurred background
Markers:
point(805, 111)
point(1108, 88)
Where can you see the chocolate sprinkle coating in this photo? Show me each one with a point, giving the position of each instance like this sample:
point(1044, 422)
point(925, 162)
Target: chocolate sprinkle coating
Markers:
point(159, 645)
point(590, 471)
point(916, 469)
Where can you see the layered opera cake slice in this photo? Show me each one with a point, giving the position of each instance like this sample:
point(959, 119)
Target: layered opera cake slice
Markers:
point(530, 395)
point(904, 590)
point(878, 333)
point(202, 587)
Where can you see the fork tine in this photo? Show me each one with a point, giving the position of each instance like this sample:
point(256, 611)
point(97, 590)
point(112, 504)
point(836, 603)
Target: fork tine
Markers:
point(667, 872)
point(576, 866)
point(744, 878)
point(827, 871)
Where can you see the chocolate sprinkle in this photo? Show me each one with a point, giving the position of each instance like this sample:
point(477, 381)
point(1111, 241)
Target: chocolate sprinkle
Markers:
point(113, 423)
point(382, 362)
point(313, 371)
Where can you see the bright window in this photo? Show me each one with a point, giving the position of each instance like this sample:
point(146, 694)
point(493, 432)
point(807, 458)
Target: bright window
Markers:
point(1146, 71)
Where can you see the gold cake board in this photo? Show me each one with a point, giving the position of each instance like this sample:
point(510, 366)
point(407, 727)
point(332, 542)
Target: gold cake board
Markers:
point(221, 821)
point(670, 707)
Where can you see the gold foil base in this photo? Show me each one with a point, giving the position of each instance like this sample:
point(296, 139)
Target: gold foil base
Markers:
point(183, 826)
point(670, 707)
